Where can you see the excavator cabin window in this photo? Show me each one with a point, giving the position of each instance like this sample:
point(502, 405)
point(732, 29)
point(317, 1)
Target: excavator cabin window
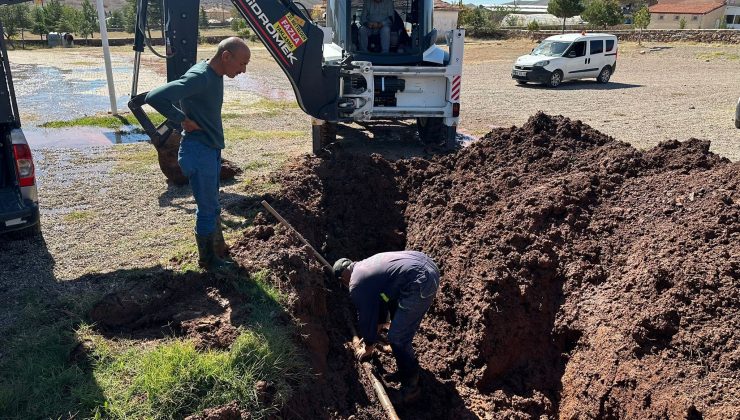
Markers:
point(410, 26)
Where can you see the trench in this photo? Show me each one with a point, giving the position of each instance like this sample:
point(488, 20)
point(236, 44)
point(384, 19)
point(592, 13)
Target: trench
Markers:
point(550, 298)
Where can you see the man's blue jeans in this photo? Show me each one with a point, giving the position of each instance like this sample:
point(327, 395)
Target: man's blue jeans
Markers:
point(202, 165)
point(415, 300)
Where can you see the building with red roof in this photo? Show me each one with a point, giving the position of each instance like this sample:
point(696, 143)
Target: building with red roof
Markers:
point(697, 14)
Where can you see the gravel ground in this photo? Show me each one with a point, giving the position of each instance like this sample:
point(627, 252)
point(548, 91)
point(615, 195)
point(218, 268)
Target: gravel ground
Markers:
point(109, 210)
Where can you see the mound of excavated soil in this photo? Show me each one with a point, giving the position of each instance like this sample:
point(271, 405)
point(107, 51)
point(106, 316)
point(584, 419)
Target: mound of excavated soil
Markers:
point(581, 278)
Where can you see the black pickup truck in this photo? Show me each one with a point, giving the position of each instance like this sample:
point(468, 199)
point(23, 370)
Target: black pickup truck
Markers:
point(19, 207)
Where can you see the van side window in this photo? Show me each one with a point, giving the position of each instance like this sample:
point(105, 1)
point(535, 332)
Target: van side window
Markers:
point(579, 48)
point(597, 47)
point(609, 45)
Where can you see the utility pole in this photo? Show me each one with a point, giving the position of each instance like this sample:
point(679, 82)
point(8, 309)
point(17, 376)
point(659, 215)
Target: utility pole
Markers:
point(106, 56)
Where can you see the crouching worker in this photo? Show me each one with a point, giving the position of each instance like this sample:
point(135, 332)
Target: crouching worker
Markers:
point(406, 279)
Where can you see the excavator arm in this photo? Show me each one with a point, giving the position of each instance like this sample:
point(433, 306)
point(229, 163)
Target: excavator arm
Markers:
point(293, 40)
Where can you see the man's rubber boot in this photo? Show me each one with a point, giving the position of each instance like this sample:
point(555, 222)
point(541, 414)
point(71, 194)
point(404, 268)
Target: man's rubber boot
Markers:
point(219, 244)
point(207, 258)
point(410, 389)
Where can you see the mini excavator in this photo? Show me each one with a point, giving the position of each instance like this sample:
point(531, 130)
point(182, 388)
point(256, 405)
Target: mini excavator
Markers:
point(334, 80)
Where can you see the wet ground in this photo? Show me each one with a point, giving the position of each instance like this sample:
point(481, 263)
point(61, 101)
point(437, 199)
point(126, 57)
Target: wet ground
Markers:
point(49, 93)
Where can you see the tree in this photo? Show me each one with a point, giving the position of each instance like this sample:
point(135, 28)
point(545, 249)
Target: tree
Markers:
point(203, 19)
point(565, 9)
point(15, 18)
point(129, 16)
point(38, 22)
point(71, 20)
point(116, 20)
point(89, 22)
point(682, 23)
point(641, 21)
point(53, 11)
point(603, 13)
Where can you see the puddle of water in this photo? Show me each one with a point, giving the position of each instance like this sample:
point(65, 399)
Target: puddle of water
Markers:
point(52, 94)
point(78, 137)
point(464, 139)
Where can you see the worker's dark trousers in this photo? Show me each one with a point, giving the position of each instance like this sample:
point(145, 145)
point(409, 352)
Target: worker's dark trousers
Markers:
point(415, 300)
point(202, 165)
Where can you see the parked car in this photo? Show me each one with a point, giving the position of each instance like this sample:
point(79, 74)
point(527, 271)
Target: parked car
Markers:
point(568, 57)
point(19, 203)
point(737, 114)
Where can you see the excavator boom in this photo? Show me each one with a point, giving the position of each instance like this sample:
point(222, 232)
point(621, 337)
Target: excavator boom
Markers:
point(293, 40)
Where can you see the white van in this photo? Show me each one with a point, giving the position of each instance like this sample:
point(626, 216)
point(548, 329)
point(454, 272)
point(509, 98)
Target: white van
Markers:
point(567, 57)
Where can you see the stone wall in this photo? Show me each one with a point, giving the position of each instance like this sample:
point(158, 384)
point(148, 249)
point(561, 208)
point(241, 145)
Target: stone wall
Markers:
point(727, 36)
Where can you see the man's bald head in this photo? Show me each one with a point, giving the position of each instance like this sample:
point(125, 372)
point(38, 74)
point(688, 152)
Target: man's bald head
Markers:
point(232, 57)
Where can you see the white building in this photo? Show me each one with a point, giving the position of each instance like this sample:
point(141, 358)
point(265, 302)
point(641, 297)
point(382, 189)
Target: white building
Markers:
point(732, 14)
point(445, 18)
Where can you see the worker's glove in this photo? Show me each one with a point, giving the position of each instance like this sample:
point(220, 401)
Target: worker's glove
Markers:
point(364, 352)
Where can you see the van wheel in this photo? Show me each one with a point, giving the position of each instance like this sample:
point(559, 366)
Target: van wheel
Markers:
point(605, 75)
point(556, 78)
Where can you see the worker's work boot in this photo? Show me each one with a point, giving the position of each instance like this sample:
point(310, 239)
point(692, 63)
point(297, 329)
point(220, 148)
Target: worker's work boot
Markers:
point(219, 244)
point(207, 258)
point(410, 389)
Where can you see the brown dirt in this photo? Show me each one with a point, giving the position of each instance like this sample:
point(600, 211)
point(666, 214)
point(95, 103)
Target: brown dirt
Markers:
point(581, 277)
point(193, 306)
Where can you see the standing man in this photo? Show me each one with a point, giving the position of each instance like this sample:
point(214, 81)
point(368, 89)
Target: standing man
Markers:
point(194, 101)
point(406, 279)
point(377, 16)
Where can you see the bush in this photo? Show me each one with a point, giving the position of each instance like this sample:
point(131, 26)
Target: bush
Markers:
point(533, 26)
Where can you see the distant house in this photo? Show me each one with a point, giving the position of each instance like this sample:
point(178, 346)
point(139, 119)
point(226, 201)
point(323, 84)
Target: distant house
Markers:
point(445, 17)
point(698, 14)
point(732, 14)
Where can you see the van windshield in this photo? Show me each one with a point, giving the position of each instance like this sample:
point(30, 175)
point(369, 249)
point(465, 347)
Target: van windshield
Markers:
point(551, 48)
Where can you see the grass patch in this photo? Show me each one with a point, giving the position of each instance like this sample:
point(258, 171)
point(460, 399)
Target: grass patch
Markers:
point(173, 379)
point(236, 134)
point(139, 158)
point(106, 121)
point(77, 216)
point(44, 374)
point(718, 55)
point(273, 107)
point(38, 377)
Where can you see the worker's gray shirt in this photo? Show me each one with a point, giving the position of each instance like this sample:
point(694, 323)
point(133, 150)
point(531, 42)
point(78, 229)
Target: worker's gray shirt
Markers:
point(373, 11)
point(384, 276)
point(200, 95)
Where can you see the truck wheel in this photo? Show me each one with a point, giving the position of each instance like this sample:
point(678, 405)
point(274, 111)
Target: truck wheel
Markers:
point(605, 75)
point(323, 135)
point(737, 123)
point(556, 78)
point(430, 130)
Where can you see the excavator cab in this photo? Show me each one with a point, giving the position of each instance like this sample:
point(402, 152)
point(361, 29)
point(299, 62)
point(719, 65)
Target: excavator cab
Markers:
point(411, 31)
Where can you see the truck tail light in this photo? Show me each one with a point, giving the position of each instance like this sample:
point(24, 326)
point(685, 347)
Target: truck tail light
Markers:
point(456, 109)
point(24, 165)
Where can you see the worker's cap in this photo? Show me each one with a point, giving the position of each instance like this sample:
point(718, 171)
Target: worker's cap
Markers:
point(340, 265)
